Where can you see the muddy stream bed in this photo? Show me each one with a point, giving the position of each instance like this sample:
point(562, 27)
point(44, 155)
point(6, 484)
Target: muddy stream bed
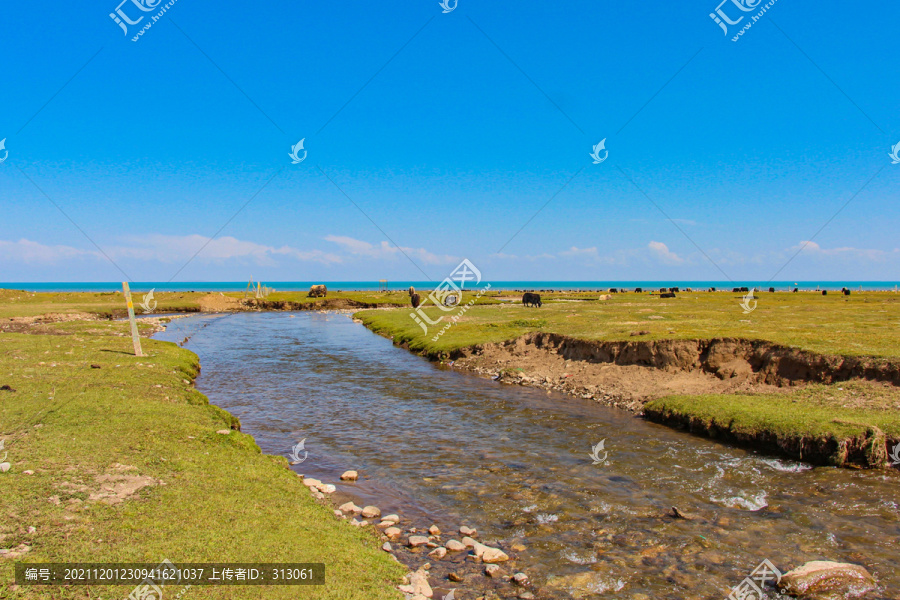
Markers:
point(436, 446)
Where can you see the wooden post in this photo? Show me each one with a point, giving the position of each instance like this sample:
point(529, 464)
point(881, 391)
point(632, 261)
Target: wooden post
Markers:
point(134, 330)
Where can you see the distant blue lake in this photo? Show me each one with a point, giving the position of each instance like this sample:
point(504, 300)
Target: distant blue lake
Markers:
point(287, 286)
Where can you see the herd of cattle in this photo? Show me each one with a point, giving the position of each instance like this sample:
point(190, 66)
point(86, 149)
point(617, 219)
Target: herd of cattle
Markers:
point(531, 299)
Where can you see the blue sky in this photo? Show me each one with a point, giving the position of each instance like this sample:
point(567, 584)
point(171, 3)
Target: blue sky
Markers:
point(732, 153)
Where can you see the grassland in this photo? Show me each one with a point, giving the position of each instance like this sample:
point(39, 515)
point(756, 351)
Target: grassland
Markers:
point(863, 324)
point(128, 467)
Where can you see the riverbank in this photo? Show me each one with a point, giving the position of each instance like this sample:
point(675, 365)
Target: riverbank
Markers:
point(809, 377)
point(115, 458)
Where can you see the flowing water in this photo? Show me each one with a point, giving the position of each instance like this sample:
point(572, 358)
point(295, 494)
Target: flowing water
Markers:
point(442, 447)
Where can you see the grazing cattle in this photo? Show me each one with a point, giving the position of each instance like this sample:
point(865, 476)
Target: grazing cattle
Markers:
point(450, 300)
point(745, 289)
point(667, 295)
point(824, 292)
point(412, 291)
point(712, 289)
point(663, 290)
point(796, 289)
point(531, 299)
point(736, 290)
point(771, 289)
point(613, 290)
point(416, 301)
point(688, 290)
point(605, 297)
point(845, 291)
point(638, 290)
point(317, 291)
point(674, 289)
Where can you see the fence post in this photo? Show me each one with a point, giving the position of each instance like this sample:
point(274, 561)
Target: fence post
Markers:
point(134, 330)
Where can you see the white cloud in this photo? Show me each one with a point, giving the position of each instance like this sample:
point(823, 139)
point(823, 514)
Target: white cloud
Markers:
point(34, 252)
point(386, 250)
point(664, 254)
point(815, 249)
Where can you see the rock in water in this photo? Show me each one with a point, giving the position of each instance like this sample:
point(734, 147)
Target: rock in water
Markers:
point(349, 507)
point(350, 476)
point(370, 512)
point(492, 571)
point(467, 531)
point(438, 553)
point(455, 546)
point(494, 555)
point(418, 585)
point(392, 532)
point(417, 540)
point(823, 579)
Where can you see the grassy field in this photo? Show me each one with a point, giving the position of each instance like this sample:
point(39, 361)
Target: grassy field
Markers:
point(863, 324)
point(18, 303)
point(128, 467)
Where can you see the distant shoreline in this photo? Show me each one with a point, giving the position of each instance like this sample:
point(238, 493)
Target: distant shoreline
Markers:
point(347, 286)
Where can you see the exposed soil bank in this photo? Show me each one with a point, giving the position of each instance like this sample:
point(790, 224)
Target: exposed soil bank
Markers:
point(628, 374)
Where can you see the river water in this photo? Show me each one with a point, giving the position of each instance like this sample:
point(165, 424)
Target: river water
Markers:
point(437, 446)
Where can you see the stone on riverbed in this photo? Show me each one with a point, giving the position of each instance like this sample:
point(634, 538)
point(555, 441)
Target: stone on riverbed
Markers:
point(370, 512)
point(391, 517)
point(455, 546)
point(492, 571)
point(418, 585)
point(417, 540)
point(349, 507)
point(467, 531)
point(493, 555)
point(520, 578)
point(434, 530)
point(438, 553)
point(393, 532)
point(824, 579)
point(469, 542)
point(350, 476)
point(310, 482)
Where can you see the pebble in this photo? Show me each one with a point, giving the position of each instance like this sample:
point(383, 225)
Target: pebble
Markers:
point(492, 571)
point(438, 553)
point(349, 507)
point(326, 488)
point(417, 540)
point(223, 431)
point(391, 517)
point(350, 476)
point(392, 532)
point(454, 577)
point(338, 513)
point(467, 531)
point(520, 578)
point(434, 530)
point(494, 555)
point(385, 524)
point(370, 512)
point(525, 596)
point(310, 482)
point(418, 585)
point(455, 546)
point(386, 547)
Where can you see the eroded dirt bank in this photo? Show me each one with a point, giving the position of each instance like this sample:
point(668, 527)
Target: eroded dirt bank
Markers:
point(627, 374)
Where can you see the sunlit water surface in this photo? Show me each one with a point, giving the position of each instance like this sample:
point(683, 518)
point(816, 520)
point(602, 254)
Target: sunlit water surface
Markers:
point(442, 447)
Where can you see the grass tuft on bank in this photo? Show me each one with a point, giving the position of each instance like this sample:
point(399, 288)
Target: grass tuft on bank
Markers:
point(128, 467)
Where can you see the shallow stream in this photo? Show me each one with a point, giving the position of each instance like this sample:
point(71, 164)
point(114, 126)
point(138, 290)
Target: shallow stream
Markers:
point(437, 446)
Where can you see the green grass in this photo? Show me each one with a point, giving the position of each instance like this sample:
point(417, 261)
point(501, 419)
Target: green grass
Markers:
point(214, 497)
point(816, 411)
point(863, 324)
